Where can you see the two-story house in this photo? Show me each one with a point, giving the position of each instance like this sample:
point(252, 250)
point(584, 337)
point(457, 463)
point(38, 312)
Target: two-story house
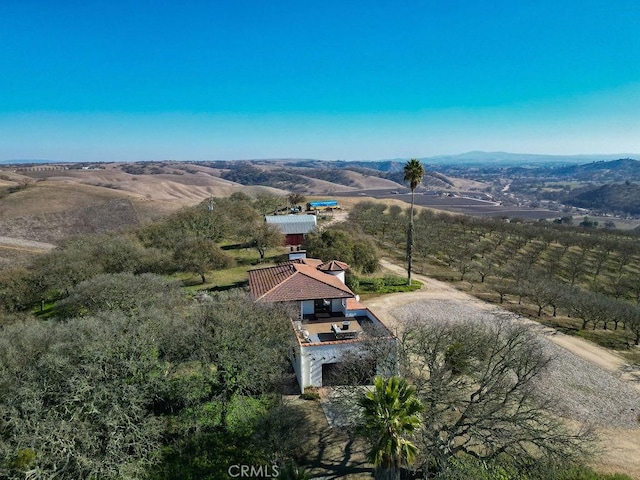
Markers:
point(330, 321)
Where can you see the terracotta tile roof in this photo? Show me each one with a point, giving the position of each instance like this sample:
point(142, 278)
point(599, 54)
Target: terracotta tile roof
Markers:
point(313, 262)
point(353, 304)
point(289, 282)
point(261, 280)
point(333, 266)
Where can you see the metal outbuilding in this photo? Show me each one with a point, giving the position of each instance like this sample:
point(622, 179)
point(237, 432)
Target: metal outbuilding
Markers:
point(294, 227)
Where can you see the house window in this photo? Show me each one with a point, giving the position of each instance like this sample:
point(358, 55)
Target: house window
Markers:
point(322, 306)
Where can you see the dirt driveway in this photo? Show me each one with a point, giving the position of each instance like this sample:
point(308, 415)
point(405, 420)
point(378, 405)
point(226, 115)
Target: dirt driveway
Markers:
point(435, 289)
point(595, 384)
point(25, 245)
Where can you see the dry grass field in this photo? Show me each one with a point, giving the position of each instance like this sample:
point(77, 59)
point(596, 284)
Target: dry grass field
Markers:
point(366, 181)
point(58, 202)
point(52, 196)
point(56, 192)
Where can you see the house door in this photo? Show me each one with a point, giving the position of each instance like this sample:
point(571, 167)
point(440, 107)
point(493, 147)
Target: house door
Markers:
point(322, 305)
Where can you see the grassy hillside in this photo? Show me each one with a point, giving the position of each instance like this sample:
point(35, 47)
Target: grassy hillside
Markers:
point(52, 227)
point(613, 171)
point(619, 198)
point(54, 197)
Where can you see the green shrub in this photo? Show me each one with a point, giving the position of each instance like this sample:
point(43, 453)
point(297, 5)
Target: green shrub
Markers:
point(586, 473)
point(387, 284)
point(23, 459)
point(377, 284)
point(394, 281)
point(353, 283)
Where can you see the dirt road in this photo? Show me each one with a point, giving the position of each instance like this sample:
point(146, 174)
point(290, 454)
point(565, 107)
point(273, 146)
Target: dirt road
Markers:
point(23, 245)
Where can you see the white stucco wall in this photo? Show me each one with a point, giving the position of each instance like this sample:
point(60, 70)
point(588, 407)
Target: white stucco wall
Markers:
point(339, 274)
point(310, 359)
point(337, 304)
point(313, 357)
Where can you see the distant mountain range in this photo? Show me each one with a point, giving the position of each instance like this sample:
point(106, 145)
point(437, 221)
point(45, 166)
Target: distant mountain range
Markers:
point(29, 161)
point(471, 158)
point(520, 159)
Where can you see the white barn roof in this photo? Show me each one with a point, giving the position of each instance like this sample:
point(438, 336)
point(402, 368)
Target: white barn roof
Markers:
point(293, 224)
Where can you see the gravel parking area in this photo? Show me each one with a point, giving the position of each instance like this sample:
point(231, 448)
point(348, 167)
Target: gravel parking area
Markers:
point(578, 389)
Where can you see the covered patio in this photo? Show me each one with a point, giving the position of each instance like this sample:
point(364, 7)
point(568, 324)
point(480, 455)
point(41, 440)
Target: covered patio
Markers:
point(322, 327)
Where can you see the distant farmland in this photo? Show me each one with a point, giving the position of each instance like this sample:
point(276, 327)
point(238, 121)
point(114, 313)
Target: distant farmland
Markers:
point(457, 204)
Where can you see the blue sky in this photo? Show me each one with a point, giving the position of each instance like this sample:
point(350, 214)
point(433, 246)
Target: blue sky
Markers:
point(150, 80)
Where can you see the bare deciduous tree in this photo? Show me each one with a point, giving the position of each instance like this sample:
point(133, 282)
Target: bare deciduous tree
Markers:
point(632, 322)
point(477, 384)
point(590, 307)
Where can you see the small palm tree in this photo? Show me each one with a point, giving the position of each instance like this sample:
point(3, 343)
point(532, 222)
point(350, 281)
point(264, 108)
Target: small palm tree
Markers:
point(413, 173)
point(390, 412)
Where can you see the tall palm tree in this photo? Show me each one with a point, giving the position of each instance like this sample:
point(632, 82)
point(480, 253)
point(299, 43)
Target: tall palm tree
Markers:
point(413, 173)
point(390, 411)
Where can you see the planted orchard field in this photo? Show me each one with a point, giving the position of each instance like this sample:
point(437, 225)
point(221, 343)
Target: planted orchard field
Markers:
point(456, 203)
point(592, 276)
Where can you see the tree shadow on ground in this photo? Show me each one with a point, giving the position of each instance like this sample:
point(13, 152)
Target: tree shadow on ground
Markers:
point(335, 453)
